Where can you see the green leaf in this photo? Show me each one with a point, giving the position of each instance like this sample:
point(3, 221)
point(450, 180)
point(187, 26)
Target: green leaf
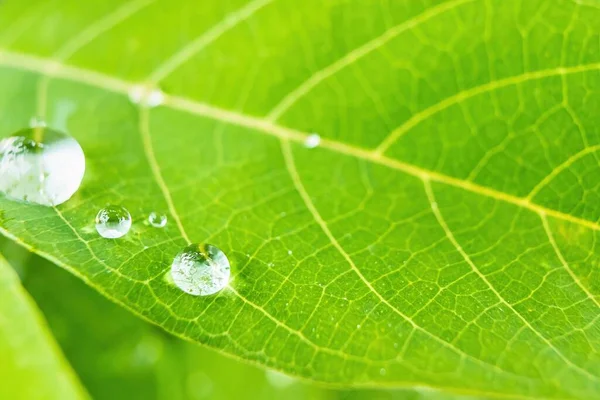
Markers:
point(32, 365)
point(119, 356)
point(444, 233)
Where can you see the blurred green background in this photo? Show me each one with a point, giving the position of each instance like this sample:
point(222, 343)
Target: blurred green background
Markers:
point(119, 356)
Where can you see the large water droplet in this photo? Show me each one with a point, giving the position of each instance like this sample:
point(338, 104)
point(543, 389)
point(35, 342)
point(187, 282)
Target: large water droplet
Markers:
point(40, 165)
point(200, 269)
point(157, 220)
point(113, 222)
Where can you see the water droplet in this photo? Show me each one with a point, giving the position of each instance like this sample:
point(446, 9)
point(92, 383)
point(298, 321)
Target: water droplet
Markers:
point(312, 141)
point(40, 165)
point(136, 94)
point(290, 252)
point(382, 372)
point(147, 96)
point(358, 326)
point(157, 220)
point(155, 98)
point(200, 269)
point(113, 222)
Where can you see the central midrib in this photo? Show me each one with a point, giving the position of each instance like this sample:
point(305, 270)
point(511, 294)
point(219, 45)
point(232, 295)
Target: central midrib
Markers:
point(56, 69)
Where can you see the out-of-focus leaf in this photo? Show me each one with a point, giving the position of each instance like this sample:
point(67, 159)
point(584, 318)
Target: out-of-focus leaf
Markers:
point(31, 364)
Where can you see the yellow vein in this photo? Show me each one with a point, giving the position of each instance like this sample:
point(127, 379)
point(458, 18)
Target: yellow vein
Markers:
point(150, 156)
point(59, 70)
point(295, 177)
point(438, 215)
point(305, 87)
point(466, 94)
point(86, 36)
point(149, 151)
point(181, 334)
point(187, 52)
point(298, 333)
point(548, 178)
point(563, 261)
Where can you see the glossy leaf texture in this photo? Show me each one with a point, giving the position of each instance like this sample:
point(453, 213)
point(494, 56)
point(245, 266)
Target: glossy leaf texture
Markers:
point(119, 356)
point(444, 232)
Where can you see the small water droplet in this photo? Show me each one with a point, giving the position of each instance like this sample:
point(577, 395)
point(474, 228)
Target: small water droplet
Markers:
point(155, 98)
point(395, 345)
point(136, 94)
point(150, 97)
point(201, 269)
point(40, 165)
point(358, 326)
point(382, 372)
point(157, 220)
point(37, 122)
point(312, 141)
point(113, 222)
point(290, 252)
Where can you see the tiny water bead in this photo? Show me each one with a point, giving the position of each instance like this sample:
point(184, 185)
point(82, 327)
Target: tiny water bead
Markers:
point(312, 141)
point(157, 220)
point(146, 96)
point(200, 269)
point(41, 166)
point(113, 222)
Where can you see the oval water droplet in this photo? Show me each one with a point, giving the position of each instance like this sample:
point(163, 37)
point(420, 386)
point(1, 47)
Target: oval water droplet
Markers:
point(201, 269)
point(157, 220)
point(113, 222)
point(312, 141)
point(40, 165)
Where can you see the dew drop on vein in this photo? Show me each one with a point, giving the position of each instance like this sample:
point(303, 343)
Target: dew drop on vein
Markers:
point(200, 269)
point(146, 96)
point(157, 220)
point(313, 140)
point(40, 165)
point(113, 222)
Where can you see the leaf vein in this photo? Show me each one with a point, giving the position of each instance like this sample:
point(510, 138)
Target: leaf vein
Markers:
point(436, 211)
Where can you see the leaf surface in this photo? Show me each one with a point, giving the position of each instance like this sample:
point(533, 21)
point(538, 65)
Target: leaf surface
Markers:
point(444, 232)
point(119, 356)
